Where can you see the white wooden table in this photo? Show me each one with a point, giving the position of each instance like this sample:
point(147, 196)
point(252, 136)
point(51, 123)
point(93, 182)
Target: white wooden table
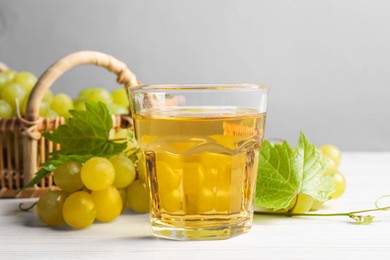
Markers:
point(22, 236)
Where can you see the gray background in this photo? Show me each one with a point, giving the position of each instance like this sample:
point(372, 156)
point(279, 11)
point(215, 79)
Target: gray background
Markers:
point(327, 62)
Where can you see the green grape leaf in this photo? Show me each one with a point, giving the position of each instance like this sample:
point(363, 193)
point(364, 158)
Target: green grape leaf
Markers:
point(314, 183)
point(87, 132)
point(285, 172)
point(85, 135)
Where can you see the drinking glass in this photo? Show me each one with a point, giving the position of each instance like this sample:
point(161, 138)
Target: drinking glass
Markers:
point(201, 147)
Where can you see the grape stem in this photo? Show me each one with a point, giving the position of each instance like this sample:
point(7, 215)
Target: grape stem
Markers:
point(352, 214)
point(22, 208)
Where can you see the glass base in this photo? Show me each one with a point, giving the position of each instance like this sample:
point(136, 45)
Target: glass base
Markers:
point(200, 233)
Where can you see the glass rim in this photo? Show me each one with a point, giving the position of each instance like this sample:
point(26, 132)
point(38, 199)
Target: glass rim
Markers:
point(201, 86)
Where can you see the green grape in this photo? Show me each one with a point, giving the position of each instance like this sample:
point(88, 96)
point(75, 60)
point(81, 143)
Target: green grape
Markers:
point(124, 171)
point(125, 135)
point(111, 134)
point(302, 204)
point(141, 169)
point(6, 77)
point(316, 205)
point(123, 193)
point(331, 152)
point(108, 204)
point(339, 185)
point(100, 95)
point(79, 210)
point(137, 197)
point(116, 109)
point(5, 109)
point(331, 167)
point(44, 108)
point(122, 133)
point(49, 207)
point(120, 97)
point(290, 205)
point(79, 104)
point(11, 92)
point(67, 176)
point(83, 94)
point(61, 104)
point(52, 114)
point(26, 79)
point(97, 173)
point(48, 97)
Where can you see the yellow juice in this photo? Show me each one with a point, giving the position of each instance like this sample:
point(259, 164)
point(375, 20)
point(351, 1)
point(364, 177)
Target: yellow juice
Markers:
point(201, 167)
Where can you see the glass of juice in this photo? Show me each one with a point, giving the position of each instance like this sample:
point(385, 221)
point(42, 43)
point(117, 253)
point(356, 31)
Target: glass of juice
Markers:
point(201, 148)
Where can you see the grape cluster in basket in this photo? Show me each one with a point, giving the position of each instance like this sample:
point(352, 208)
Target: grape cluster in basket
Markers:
point(98, 189)
point(18, 86)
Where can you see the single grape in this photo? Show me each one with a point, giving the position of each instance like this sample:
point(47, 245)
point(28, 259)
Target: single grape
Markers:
point(141, 169)
point(290, 205)
point(124, 135)
point(98, 173)
point(137, 197)
point(331, 167)
point(26, 79)
point(116, 109)
point(316, 205)
point(44, 108)
point(51, 114)
point(303, 203)
point(339, 185)
point(49, 207)
point(111, 134)
point(331, 152)
point(124, 171)
point(6, 77)
point(67, 176)
point(120, 97)
point(108, 204)
point(83, 94)
point(5, 109)
point(123, 193)
point(61, 104)
point(79, 104)
point(11, 92)
point(79, 210)
point(48, 97)
point(100, 95)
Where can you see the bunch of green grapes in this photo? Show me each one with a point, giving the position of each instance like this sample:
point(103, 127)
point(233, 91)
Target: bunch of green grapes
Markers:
point(98, 189)
point(14, 86)
point(302, 203)
point(117, 101)
point(18, 86)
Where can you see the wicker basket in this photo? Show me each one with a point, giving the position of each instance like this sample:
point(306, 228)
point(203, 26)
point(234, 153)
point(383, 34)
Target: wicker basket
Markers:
point(24, 148)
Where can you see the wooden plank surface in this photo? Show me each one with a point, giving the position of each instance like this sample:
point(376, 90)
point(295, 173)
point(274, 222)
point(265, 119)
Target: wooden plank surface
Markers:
point(22, 236)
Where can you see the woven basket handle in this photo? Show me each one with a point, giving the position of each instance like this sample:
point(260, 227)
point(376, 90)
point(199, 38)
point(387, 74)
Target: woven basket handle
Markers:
point(124, 76)
point(3, 67)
